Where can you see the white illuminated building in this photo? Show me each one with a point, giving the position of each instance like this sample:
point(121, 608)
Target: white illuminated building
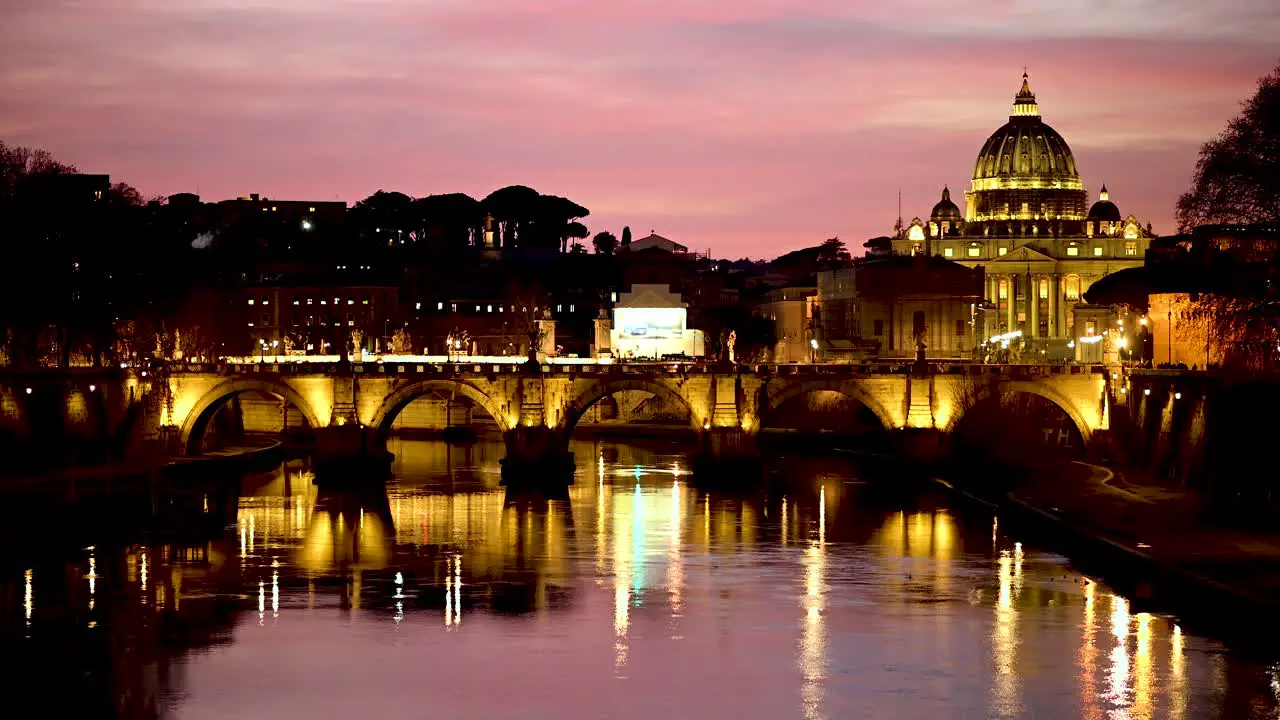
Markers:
point(651, 322)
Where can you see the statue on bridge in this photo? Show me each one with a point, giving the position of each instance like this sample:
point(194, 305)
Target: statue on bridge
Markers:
point(728, 341)
point(922, 331)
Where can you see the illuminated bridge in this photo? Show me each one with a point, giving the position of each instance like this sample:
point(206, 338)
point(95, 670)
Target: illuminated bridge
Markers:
point(537, 408)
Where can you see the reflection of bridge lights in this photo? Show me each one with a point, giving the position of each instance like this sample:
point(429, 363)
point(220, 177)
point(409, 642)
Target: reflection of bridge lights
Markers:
point(28, 596)
point(275, 594)
point(262, 600)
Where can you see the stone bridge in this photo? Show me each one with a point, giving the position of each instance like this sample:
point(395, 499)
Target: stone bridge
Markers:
point(537, 408)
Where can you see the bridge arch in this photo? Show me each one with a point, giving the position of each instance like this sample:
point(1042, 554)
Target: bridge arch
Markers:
point(596, 390)
point(400, 399)
point(851, 390)
point(198, 417)
point(1043, 390)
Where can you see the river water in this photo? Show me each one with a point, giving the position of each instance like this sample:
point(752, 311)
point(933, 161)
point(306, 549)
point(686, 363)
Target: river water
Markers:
point(835, 593)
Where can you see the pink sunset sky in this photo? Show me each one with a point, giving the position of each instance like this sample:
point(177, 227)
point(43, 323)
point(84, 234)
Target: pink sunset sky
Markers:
point(747, 127)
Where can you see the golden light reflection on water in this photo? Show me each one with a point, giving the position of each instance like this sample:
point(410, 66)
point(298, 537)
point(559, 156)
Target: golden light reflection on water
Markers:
point(1087, 657)
point(813, 651)
point(1177, 675)
point(1118, 694)
point(1004, 644)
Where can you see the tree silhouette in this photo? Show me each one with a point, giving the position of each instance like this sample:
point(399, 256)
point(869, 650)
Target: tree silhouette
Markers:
point(605, 243)
point(626, 236)
point(1237, 178)
point(513, 208)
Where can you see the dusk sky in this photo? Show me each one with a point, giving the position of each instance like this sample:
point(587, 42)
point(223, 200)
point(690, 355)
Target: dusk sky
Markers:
point(747, 127)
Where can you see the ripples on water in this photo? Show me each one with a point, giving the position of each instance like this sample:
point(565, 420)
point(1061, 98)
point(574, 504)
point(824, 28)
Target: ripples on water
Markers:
point(637, 596)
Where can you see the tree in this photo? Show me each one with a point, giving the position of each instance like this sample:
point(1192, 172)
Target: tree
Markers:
point(1237, 178)
point(626, 236)
point(453, 220)
point(513, 208)
point(832, 254)
point(605, 243)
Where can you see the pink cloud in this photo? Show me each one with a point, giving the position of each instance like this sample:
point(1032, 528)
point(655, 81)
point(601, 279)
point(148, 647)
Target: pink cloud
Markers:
point(750, 127)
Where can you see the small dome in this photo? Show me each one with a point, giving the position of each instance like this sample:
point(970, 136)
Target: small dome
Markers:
point(945, 209)
point(1104, 210)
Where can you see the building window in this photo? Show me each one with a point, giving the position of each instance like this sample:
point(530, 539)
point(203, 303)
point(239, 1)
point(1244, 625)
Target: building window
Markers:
point(417, 306)
point(309, 301)
point(1073, 250)
point(311, 319)
point(1097, 251)
point(1022, 316)
point(490, 308)
point(878, 328)
point(1003, 291)
point(439, 306)
point(1002, 250)
point(1090, 327)
point(1131, 249)
point(946, 252)
point(295, 320)
point(1072, 287)
point(915, 248)
point(1044, 289)
point(266, 319)
point(959, 328)
point(250, 301)
point(974, 251)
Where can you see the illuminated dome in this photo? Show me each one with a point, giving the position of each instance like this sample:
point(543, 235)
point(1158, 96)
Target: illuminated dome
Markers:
point(1104, 209)
point(1025, 170)
point(945, 209)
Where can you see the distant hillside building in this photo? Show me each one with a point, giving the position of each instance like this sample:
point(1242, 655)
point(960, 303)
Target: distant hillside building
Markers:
point(654, 240)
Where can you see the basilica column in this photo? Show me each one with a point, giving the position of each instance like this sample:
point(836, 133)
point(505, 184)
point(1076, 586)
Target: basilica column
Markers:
point(1012, 299)
point(1055, 287)
point(1033, 297)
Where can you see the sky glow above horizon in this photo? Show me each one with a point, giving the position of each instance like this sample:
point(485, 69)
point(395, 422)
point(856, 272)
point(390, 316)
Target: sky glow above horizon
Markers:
point(747, 128)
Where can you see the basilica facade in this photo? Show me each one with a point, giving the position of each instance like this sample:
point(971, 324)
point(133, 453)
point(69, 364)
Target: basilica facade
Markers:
point(1028, 223)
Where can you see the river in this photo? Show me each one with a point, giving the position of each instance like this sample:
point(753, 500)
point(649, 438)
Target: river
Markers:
point(834, 593)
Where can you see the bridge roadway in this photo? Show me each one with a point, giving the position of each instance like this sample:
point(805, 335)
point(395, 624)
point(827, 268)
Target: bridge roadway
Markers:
point(351, 406)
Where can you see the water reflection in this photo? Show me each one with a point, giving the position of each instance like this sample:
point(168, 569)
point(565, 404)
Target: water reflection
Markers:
point(634, 594)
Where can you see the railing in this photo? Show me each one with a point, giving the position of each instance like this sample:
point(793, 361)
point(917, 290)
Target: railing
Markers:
point(622, 369)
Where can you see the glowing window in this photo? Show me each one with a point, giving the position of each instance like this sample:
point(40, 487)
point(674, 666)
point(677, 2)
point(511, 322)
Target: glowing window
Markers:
point(1097, 251)
point(250, 301)
point(1044, 289)
point(1072, 287)
point(947, 252)
point(1073, 250)
point(1131, 248)
point(1002, 251)
point(974, 251)
point(1003, 292)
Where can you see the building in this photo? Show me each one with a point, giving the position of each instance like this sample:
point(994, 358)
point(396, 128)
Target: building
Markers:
point(654, 240)
point(791, 310)
point(652, 322)
point(884, 306)
point(1027, 221)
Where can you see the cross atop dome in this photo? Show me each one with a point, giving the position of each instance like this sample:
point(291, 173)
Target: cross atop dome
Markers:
point(1024, 103)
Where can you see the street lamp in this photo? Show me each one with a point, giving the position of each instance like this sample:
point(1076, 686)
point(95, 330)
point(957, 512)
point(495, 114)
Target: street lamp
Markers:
point(274, 352)
point(813, 347)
